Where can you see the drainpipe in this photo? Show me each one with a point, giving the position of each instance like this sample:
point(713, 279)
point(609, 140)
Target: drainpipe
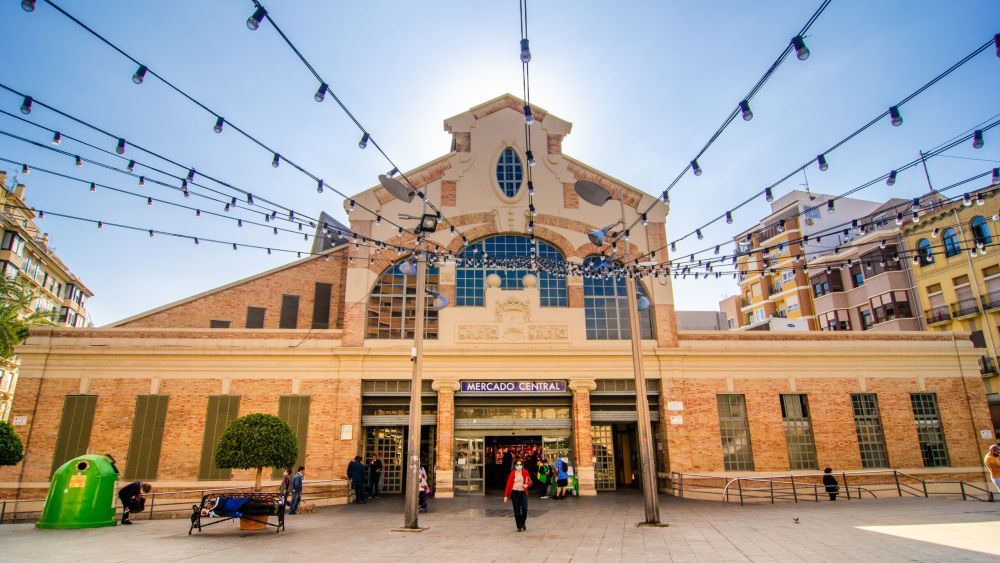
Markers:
point(974, 283)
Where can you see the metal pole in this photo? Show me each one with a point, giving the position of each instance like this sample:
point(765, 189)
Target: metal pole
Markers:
point(795, 495)
point(896, 475)
point(647, 464)
point(848, 487)
point(413, 446)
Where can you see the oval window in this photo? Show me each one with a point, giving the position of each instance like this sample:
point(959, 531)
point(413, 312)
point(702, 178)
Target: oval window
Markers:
point(509, 172)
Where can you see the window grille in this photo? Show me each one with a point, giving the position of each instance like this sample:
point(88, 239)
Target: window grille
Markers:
point(798, 432)
point(392, 306)
point(509, 172)
point(74, 428)
point(868, 423)
point(737, 454)
point(147, 437)
point(470, 280)
point(606, 307)
point(930, 433)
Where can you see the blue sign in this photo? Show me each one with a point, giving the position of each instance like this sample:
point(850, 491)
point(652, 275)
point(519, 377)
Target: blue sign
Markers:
point(513, 386)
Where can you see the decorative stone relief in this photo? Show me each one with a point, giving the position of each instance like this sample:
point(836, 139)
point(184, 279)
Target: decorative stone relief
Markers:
point(513, 316)
point(548, 332)
point(446, 275)
point(478, 332)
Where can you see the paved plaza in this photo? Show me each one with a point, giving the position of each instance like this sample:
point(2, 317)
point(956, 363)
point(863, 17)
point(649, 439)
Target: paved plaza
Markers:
point(601, 528)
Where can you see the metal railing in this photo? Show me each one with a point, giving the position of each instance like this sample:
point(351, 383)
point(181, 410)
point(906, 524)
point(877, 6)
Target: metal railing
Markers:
point(964, 307)
point(987, 366)
point(991, 300)
point(937, 314)
point(169, 503)
point(810, 488)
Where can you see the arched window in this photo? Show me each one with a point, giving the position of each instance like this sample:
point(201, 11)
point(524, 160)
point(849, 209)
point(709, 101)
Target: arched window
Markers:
point(980, 230)
point(471, 278)
point(951, 244)
point(926, 252)
point(606, 307)
point(509, 172)
point(392, 306)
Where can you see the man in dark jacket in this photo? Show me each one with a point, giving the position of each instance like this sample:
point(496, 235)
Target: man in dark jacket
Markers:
point(374, 476)
point(296, 490)
point(132, 498)
point(830, 483)
point(356, 473)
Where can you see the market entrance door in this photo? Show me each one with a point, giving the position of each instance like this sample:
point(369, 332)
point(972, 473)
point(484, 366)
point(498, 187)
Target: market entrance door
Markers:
point(503, 451)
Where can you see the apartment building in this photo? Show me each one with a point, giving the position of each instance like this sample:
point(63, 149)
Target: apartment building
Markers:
point(867, 284)
point(957, 276)
point(770, 256)
point(25, 251)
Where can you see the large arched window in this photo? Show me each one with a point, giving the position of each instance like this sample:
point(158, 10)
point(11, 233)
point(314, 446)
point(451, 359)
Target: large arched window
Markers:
point(980, 230)
point(392, 306)
point(509, 172)
point(470, 278)
point(606, 307)
point(926, 252)
point(951, 244)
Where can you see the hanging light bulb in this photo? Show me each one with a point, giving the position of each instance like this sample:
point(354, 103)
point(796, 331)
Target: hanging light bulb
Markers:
point(717, 247)
point(996, 177)
point(891, 179)
point(253, 22)
point(276, 160)
point(673, 247)
point(996, 37)
point(980, 200)
point(142, 181)
point(729, 217)
point(239, 223)
point(140, 74)
point(829, 208)
point(151, 233)
point(24, 169)
point(695, 168)
point(234, 246)
point(364, 140)
point(57, 138)
point(378, 220)
point(26, 105)
point(645, 220)
point(801, 51)
point(531, 158)
point(768, 195)
point(821, 160)
point(895, 117)
point(79, 162)
point(977, 137)
point(319, 187)
point(529, 118)
point(665, 197)
point(899, 219)
point(149, 202)
point(321, 92)
point(966, 199)
point(100, 224)
point(219, 122)
point(745, 110)
point(197, 212)
point(120, 147)
point(781, 225)
point(29, 6)
point(935, 232)
point(531, 188)
point(625, 236)
point(525, 52)
point(350, 207)
point(190, 174)
point(93, 187)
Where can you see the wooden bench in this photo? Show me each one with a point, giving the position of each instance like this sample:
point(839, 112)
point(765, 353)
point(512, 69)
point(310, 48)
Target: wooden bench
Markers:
point(263, 506)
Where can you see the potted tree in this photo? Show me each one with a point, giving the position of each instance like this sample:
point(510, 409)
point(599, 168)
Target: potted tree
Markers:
point(11, 448)
point(256, 441)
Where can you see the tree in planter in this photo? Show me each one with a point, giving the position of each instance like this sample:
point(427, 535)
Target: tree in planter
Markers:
point(256, 441)
point(11, 448)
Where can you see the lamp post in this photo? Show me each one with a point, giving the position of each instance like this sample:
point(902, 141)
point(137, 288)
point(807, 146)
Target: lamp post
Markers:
point(598, 195)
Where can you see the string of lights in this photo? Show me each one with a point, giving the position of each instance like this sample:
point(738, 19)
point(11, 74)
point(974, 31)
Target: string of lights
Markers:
point(889, 177)
point(797, 44)
point(261, 14)
point(529, 117)
point(220, 122)
point(820, 160)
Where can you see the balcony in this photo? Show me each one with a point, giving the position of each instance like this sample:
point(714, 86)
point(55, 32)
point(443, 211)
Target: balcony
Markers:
point(987, 366)
point(774, 289)
point(991, 300)
point(937, 315)
point(964, 308)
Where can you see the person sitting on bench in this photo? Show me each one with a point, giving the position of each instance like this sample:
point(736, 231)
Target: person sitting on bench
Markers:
point(236, 507)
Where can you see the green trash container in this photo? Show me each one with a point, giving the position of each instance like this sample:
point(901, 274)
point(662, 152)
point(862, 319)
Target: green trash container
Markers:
point(82, 494)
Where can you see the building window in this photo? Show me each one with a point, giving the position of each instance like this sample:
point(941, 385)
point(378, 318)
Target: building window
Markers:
point(392, 306)
point(868, 423)
point(294, 409)
point(889, 306)
point(812, 213)
point(255, 317)
point(470, 275)
point(827, 282)
point(857, 277)
point(143, 460)
point(788, 276)
point(509, 172)
point(289, 311)
point(737, 454)
point(214, 323)
point(867, 320)
point(321, 305)
point(926, 252)
point(951, 244)
point(798, 432)
point(980, 230)
point(13, 242)
point(74, 428)
point(222, 409)
point(838, 319)
point(606, 307)
point(929, 430)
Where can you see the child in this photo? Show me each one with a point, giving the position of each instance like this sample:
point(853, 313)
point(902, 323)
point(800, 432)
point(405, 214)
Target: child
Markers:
point(425, 490)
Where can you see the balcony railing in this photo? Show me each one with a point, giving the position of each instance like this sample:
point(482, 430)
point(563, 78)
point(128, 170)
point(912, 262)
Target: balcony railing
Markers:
point(991, 300)
point(987, 365)
point(937, 315)
point(775, 289)
point(964, 307)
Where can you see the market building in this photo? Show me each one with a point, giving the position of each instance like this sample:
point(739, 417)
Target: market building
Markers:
point(522, 363)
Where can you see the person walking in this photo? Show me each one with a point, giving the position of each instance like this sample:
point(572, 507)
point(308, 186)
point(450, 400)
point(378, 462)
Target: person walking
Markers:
point(356, 473)
point(286, 483)
point(830, 483)
point(374, 476)
point(133, 499)
point(518, 483)
point(296, 489)
point(562, 479)
point(543, 478)
point(425, 489)
point(992, 461)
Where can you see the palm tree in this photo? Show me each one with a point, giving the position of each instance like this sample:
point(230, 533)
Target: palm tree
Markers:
point(16, 315)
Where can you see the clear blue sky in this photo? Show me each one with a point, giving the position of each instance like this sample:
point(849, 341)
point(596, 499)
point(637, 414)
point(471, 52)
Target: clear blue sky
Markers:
point(644, 83)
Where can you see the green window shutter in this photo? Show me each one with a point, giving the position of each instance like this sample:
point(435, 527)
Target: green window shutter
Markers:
point(222, 409)
point(294, 409)
point(321, 305)
point(143, 459)
point(74, 428)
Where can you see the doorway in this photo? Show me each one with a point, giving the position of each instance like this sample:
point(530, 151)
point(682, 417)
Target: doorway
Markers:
point(503, 451)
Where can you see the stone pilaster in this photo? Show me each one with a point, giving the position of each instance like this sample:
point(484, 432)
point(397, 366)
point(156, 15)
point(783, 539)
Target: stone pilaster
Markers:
point(444, 470)
point(583, 444)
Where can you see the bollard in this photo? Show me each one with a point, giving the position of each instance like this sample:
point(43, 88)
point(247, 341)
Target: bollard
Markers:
point(847, 488)
point(795, 495)
point(898, 489)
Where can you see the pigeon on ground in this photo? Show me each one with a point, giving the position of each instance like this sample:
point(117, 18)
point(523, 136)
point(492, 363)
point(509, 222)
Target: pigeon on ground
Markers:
point(795, 519)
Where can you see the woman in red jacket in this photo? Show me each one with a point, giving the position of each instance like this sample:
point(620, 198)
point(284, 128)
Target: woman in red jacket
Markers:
point(518, 483)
